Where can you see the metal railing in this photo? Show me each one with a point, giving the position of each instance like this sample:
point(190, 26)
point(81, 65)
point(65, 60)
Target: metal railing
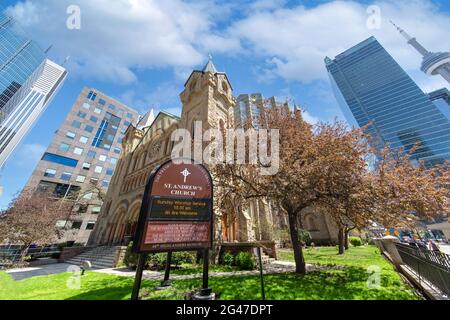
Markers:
point(431, 266)
point(12, 254)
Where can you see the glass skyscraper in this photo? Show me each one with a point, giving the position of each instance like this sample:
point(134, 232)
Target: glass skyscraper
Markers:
point(374, 91)
point(28, 82)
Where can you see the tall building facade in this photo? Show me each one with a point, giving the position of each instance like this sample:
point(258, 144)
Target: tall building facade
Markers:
point(374, 91)
point(82, 157)
point(28, 83)
point(434, 63)
point(249, 108)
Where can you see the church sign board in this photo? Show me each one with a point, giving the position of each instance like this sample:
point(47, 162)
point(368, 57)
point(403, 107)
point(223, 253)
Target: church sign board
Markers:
point(177, 209)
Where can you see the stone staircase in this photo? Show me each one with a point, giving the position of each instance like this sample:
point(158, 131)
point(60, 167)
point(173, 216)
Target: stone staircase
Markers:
point(100, 258)
point(266, 259)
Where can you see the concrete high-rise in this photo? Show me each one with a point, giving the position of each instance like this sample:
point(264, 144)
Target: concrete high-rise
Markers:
point(374, 91)
point(28, 83)
point(434, 63)
point(82, 157)
point(249, 108)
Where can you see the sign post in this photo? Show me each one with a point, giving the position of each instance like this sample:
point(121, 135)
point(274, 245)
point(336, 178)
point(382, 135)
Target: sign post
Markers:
point(176, 215)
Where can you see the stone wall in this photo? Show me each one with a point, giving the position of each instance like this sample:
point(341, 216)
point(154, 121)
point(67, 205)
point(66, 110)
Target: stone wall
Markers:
point(71, 252)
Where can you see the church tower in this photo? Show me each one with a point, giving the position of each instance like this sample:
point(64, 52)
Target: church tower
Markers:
point(208, 97)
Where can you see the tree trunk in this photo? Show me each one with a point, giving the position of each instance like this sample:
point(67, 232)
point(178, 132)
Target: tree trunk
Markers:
point(341, 238)
point(346, 239)
point(300, 265)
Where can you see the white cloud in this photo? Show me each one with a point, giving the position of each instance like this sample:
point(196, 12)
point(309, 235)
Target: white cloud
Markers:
point(118, 37)
point(294, 41)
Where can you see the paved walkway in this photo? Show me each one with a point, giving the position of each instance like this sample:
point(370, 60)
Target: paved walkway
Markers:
point(25, 273)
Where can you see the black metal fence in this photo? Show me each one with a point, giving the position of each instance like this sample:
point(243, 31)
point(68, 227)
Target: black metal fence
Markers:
point(12, 254)
point(432, 266)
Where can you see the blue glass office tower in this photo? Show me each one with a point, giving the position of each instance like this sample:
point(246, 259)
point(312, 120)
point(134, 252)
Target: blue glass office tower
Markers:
point(21, 62)
point(28, 83)
point(374, 91)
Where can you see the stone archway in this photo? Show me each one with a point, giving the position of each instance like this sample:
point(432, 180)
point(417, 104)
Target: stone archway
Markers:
point(115, 222)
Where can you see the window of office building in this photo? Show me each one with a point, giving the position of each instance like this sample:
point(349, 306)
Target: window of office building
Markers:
point(97, 111)
point(88, 196)
point(92, 96)
point(93, 119)
point(107, 130)
point(89, 129)
point(112, 107)
point(76, 124)
point(78, 151)
point(81, 114)
point(101, 102)
point(86, 106)
point(109, 172)
point(98, 169)
point(84, 139)
point(129, 116)
point(91, 154)
point(76, 225)
point(96, 209)
point(127, 123)
point(90, 226)
point(83, 208)
point(64, 147)
point(102, 158)
point(81, 179)
point(105, 183)
point(117, 150)
point(120, 113)
point(86, 166)
point(94, 181)
point(71, 135)
point(54, 158)
point(50, 173)
point(114, 161)
point(66, 176)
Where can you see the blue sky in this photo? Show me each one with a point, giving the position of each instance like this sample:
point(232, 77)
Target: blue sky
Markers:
point(141, 52)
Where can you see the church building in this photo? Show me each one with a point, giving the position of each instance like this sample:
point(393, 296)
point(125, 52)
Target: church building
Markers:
point(207, 97)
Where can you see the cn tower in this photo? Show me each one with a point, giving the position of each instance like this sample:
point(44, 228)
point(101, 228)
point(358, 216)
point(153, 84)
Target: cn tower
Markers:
point(433, 63)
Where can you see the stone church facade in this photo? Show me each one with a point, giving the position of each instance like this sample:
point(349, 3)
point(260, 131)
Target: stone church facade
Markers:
point(207, 97)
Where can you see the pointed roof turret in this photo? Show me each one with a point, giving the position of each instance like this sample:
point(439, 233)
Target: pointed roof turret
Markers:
point(210, 67)
point(147, 120)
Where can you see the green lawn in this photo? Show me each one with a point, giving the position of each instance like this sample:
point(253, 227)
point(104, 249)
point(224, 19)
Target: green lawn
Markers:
point(347, 283)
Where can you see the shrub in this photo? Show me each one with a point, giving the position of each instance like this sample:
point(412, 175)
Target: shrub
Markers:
point(179, 258)
point(228, 259)
point(131, 258)
point(304, 236)
point(355, 241)
point(158, 261)
point(245, 261)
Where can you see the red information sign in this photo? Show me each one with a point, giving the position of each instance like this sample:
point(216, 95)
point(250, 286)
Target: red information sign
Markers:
point(176, 214)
